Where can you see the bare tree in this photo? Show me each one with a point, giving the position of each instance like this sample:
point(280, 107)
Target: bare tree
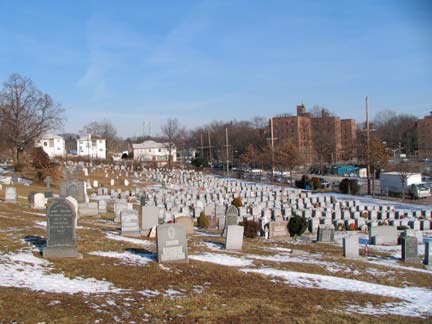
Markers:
point(397, 130)
point(287, 157)
point(104, 129)
point(378, 156)
point(249, 157)
point(26, 113)
point(172, 132)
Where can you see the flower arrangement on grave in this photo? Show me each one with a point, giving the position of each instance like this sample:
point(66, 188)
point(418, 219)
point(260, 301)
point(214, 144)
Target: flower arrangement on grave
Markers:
point(340, 227)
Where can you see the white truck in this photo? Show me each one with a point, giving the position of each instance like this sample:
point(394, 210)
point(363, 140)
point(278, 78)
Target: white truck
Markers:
point(391, 184)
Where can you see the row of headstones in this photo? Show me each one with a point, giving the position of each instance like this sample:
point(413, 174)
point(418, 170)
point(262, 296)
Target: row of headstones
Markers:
point(171, 238)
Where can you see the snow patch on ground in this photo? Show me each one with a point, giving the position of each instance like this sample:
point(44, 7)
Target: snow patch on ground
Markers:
point(222, 259)
point(215, 246)
point(35, 214)
point(392, 263)
point(202, 233)
point(127, 257)
point(287, 258)
point(149, 293)
point(115, 237)
point(24, 270)
point(415, 301)
point(172, 293)
point(42, 224)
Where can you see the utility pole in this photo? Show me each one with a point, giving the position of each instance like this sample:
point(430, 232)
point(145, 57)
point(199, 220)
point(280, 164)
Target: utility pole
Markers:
point(368, 148)
point(272, 139)
point(209, 146)
point(202, 148)
point(227, 150)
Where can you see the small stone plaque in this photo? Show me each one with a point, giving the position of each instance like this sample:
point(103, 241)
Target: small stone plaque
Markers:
point(278, 229)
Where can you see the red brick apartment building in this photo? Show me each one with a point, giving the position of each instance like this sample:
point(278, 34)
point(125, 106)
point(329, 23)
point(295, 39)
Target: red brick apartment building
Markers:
point(326, 138)
point(424, 135)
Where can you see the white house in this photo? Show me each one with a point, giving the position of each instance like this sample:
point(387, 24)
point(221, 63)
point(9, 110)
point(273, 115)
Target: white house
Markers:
point(53, 145)
point(153, 151)
point(91, 146)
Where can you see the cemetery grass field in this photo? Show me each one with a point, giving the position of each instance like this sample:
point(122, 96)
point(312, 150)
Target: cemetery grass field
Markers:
point(139, 289)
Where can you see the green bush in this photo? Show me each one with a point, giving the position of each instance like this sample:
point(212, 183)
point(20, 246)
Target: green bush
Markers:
point(316, 183)
point(297, 225)
point(251, 228)
point(349, 186)
point(203, 221)
point(237, 202)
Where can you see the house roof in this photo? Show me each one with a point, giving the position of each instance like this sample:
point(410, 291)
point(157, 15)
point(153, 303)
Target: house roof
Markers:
point(92, 137)
point(149, 144)
point(50, 136)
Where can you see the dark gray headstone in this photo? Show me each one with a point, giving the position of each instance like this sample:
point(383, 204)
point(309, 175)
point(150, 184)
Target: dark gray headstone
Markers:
point(61, 241)
point(48, 192)
point(427, 257)
point(409, 249)
point(172, 243)
point(325, 233)
point(75, 189)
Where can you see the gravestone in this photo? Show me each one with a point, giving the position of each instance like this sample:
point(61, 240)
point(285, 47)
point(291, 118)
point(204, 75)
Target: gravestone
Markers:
point(10, 195)
point(325, 233)
point(188, 223)
point(234, 237)
point(61, 220)
point(118, 207)
point(221, 222)
point(149, 217)
point(48, 192)
point(427, 256)
point(171, 243)
point(30, 197)
point(75, 189)
point(383, 235)
point(351, 246)
point(129, 222)
point(231, 216)
point(409, 249)
point(102, 206)
point(278, 229)
point(39, 201)
point(88, 209)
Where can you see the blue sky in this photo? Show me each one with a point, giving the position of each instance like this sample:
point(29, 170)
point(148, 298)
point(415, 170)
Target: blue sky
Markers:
point(198, 61)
